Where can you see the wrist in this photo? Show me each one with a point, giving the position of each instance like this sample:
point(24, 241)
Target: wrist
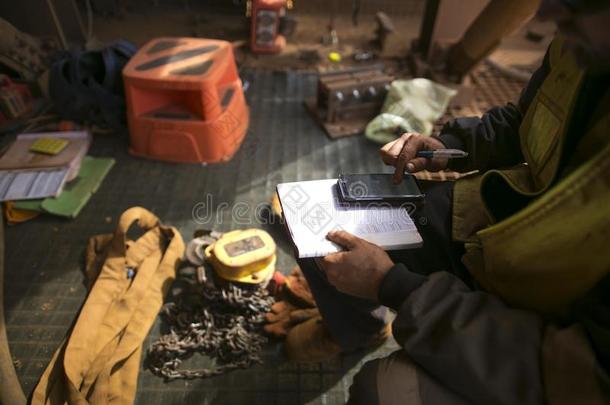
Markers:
point(396, 286)
point(380, 275)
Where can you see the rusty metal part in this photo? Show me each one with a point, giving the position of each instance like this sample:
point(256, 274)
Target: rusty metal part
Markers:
point(385, 27)
point(223, 323)
point(194, 252)
point(201, 276)
point(347, 100)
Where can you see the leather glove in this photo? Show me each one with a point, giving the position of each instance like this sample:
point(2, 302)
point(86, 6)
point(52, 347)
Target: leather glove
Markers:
point(284, 316)
point(296, 306)
point(296, 290)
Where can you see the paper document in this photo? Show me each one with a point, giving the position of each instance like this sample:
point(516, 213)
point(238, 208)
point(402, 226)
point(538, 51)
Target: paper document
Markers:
point(27, 185)
point(312, 208)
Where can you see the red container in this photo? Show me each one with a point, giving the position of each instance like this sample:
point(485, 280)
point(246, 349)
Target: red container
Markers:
point(265, 26)
point(185, 101)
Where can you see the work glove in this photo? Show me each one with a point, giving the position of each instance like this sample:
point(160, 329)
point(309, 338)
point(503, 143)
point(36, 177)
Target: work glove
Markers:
point(296, 289)
point(296, 305)
point(284, 316)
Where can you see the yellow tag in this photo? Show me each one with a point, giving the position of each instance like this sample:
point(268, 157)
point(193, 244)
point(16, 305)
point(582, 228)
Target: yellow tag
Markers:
point(49, 146)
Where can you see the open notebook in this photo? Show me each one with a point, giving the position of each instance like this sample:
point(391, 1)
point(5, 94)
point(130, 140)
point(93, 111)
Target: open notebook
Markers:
point(312, 209)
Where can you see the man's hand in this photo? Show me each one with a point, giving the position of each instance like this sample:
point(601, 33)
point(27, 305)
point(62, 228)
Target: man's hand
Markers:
point(401, 154)
point(359, 270)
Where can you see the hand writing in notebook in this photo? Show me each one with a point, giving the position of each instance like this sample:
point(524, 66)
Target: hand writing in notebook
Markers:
point(312, 209)
point(359, 269)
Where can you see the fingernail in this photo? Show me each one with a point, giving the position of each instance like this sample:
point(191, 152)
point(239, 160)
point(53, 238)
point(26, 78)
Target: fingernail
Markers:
point(410, 167)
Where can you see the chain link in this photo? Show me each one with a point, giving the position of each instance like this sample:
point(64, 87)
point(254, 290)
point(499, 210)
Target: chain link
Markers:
point(223, 323)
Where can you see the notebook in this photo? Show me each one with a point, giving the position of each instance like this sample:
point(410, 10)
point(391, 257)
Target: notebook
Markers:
point(312, 208)
point(27, 175)
point(20, 157)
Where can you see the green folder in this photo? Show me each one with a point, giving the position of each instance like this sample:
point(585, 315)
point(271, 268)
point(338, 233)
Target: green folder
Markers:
point(75, 194)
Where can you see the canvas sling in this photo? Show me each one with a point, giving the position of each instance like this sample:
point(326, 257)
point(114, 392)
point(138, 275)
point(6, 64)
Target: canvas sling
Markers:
point(98, 362)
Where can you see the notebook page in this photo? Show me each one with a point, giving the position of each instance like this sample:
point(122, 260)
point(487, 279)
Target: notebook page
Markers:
point(312, 209)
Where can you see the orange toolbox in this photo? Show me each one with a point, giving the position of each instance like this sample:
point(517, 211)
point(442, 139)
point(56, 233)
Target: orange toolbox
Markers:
point(185, 101)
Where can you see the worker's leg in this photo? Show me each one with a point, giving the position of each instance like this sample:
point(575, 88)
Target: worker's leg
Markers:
point(352, 321)
point(396, 380)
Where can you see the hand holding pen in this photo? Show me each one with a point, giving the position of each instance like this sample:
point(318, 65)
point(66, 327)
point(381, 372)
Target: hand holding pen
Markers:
point(413, 153)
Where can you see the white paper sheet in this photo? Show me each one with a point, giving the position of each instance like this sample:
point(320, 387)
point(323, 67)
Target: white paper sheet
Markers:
point(34, 184)
point(312, 209)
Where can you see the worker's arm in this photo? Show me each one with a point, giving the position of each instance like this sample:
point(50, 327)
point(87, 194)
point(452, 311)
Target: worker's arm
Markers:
point(469, 341)
point(492, 140)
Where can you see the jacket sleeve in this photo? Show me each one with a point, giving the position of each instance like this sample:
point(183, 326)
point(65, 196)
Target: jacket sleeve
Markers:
point(469, 341)
point(492, 140)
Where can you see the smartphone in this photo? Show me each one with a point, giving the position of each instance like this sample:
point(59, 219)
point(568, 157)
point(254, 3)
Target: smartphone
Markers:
point(378, 187)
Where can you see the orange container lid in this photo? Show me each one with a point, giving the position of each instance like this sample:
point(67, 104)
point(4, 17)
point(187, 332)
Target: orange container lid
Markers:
point(184, 61)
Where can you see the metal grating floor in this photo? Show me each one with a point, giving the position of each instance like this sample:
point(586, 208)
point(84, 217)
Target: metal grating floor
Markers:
point(44, 258)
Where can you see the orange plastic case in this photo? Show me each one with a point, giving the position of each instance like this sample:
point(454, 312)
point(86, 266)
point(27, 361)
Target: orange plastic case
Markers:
point(185, 101)
point(265, 26)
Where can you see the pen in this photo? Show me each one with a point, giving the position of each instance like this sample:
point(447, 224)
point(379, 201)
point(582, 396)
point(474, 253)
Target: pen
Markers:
point(442, 153)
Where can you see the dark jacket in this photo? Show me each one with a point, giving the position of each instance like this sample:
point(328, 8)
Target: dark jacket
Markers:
point(470, 341)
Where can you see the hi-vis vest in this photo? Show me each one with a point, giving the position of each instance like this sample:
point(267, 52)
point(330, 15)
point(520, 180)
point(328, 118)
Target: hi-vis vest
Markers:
point(537, 242)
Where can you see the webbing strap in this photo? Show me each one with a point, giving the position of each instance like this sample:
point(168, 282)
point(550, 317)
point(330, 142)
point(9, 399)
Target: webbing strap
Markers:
point(99, 362)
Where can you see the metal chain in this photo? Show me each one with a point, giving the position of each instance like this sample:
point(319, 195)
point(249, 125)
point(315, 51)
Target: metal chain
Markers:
point(224, 323)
